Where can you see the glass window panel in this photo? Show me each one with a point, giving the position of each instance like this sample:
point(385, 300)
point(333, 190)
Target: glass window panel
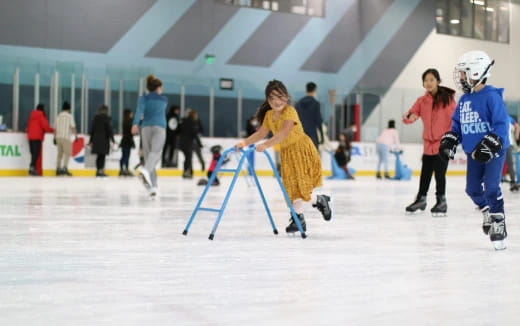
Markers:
point(441, 17)
point(503, 22)
point(479, 28)
point(491, 20)
point(301, 7)
point(480, 19)
point(467, 18)
point(454, 18)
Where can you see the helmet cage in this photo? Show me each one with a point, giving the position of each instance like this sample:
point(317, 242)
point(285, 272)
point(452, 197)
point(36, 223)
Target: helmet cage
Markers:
point(466, 83)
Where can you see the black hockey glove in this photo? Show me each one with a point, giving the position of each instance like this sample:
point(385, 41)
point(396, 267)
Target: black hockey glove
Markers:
point(487, 149)
point(448, 146)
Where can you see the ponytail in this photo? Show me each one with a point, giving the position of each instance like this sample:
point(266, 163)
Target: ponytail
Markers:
point(152, 83)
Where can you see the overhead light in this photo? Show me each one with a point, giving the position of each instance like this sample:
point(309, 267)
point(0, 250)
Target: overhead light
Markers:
point(454, 21)
point(490, 9)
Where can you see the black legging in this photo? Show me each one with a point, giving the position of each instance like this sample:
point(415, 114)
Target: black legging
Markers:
point(100, 161)
point(430, 164)
point(35, 148)
point(188, 154)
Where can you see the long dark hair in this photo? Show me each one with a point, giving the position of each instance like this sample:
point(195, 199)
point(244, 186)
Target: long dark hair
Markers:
point(127, 114)
point(273, 85)
point(444, 95)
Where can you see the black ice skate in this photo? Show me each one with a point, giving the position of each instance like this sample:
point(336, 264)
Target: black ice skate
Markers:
point(292, 227)
point(419, 203)
point(441, 207)
point(515, 187)
point(497, 232)
point(486, 220)
point(322, 204)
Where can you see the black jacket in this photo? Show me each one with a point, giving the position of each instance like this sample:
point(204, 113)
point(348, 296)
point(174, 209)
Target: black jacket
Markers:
point(101, 134)
point(188, 133)
point(128, 139)
point(310, 115)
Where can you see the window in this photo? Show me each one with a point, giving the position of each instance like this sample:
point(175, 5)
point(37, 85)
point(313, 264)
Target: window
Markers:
point(479, 19)
point(300, 7)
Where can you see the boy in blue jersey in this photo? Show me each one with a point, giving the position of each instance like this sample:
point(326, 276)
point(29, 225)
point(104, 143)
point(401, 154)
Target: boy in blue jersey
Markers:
point(481, 125)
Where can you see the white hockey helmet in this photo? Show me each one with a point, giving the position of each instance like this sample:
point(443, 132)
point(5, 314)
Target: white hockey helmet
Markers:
point(471, 69)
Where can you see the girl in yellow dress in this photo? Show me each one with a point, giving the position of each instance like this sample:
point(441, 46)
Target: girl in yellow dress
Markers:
point(301, 163)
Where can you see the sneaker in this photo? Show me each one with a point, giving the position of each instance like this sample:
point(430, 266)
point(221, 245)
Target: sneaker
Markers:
point(66, 172)
point(322, 204)
point(486, 220)
point(292, 227)
point(145, 178)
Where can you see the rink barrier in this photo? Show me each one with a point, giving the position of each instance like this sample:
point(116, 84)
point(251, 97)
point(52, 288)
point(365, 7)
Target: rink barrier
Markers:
point(15, 157)
point(178, 173)
point(236, 173)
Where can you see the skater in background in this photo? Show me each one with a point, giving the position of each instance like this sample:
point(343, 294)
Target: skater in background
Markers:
point(435, 108)
point(388, 140)
point(64, 128)
point(510, 155)
point(215, 152)
point(151, 114)
point(188, 134)
point(101, 135)
point(481, 125)
point(127, 143)
point(37, 126)
point(251, 126)
point(172, 130)
point(197, 143)
point(310, 114)
point(300, 161)
point(343, 154)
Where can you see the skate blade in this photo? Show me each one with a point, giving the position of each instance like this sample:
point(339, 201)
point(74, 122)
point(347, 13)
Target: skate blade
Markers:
point(499, 245)
point(439, 214)
point(417, 212)
point(144, 182)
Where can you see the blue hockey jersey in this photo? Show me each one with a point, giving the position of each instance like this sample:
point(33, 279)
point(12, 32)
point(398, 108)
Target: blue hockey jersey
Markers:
point(480, 113)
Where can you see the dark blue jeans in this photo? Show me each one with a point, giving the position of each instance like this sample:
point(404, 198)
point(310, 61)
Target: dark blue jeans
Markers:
point(483, 183)
point(125, 157)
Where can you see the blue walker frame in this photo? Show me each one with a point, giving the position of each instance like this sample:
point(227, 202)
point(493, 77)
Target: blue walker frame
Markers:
point(246, 155)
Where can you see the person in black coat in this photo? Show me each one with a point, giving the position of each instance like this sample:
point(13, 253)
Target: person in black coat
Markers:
point(172, 130)
point(101, 134)
point(127, 143)
point(310, 115)
point(188, 134)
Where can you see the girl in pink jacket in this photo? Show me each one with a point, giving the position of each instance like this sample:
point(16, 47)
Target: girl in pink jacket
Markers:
point(435, 108)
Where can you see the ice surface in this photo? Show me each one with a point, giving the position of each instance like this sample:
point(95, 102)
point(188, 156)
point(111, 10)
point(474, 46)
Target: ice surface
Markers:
point(86, 251)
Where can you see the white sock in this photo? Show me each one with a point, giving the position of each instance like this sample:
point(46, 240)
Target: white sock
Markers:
point(298, 206)
point(314, 198)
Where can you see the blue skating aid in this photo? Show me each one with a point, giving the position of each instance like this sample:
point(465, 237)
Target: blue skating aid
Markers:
point(337, 172)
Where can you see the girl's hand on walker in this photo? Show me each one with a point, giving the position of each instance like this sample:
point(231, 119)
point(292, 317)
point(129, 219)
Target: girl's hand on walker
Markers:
point(240, 145)
point(261, 147)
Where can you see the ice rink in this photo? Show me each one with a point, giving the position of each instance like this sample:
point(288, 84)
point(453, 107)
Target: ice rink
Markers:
point(86, 251)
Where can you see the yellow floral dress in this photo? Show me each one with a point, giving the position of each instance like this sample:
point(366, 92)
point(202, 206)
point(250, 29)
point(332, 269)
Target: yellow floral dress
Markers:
point(301, 163)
